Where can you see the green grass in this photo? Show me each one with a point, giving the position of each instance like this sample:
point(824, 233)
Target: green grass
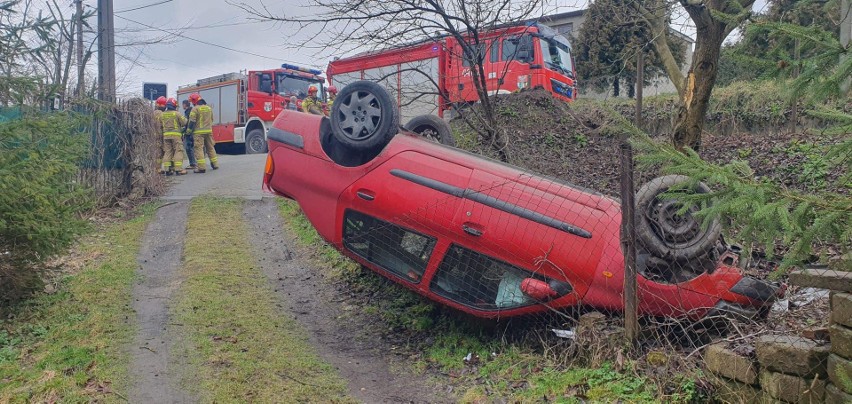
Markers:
point(241, 348)
point(508, 370)
point(70, 346)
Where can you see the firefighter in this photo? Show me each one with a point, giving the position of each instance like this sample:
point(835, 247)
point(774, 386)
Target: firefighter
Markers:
point(201, 128)
point(332, 94)
point(311, 104)
point(188, 143)
point(160, 106)
point(172, 123)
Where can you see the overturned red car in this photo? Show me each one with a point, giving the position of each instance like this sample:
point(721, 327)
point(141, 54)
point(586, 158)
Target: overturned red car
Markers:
point(484, 237)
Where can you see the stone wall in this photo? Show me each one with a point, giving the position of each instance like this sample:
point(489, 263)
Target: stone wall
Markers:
point(803, 368)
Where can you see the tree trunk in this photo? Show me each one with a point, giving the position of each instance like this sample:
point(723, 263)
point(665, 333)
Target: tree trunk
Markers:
point(698, 86)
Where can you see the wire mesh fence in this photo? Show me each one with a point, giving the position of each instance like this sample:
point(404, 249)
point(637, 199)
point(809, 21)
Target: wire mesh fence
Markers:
point(123, 151)
point(495, 241)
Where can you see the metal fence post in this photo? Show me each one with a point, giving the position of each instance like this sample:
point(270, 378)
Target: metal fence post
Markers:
point(628, 243)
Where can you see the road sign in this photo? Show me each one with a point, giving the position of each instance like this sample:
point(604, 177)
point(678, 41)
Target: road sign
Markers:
point(153, 90)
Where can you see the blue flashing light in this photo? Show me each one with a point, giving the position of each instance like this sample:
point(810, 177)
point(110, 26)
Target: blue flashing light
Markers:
point(301, 69)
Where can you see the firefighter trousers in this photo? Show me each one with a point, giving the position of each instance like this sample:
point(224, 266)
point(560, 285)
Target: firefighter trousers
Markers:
point(204, 144)
point(173, 153)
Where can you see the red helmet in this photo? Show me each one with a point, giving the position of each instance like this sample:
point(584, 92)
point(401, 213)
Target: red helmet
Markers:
point(161, 101)
point(194, 97)
point(332, 89)
point(312, 90)
point(171, 103)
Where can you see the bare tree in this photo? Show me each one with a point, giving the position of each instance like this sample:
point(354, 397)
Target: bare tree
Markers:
point(714, 20)
point(335, 25)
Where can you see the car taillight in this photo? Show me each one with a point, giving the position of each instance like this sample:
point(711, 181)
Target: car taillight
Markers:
point(270, 166)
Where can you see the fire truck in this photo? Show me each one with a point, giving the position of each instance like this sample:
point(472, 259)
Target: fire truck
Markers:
point(245, 104)
point(514, 57)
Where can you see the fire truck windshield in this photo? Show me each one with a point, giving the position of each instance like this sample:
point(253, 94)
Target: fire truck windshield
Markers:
point(557, 56)
point(298, 86)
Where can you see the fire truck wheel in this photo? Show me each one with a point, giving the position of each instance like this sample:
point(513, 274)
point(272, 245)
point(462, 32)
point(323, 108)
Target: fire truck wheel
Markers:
point(432, 128)
point(363, 116)
point(255, 142)
point(663, 231)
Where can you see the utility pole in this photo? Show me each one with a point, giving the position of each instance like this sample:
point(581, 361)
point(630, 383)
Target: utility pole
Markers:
point(106, 52)
point(81, 70)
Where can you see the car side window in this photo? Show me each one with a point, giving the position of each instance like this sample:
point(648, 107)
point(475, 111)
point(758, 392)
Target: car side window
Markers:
point(395, 249)
point(477, 280)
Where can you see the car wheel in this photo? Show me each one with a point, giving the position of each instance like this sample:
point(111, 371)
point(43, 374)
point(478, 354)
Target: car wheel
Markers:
point(363, 116)
point(667, 234)
point(432, 128)
point(256, 142)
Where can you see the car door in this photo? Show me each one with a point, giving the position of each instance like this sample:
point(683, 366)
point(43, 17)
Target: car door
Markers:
point(397, 216)
point(520, 222)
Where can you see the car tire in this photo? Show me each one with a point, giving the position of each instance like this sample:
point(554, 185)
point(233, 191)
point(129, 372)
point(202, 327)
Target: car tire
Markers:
point(364, 116)
point(256, 142)
point(666, 234)
point(432, 128)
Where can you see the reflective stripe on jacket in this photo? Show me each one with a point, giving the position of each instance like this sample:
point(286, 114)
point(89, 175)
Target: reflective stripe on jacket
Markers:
point(172, 123)
point(202, 115)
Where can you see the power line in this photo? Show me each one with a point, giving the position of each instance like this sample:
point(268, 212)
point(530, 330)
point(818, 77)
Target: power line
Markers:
point(145, 6)
point(205, 42)
point(196, 27)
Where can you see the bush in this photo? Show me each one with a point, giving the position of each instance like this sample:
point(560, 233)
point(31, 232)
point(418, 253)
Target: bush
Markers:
point(40, 201)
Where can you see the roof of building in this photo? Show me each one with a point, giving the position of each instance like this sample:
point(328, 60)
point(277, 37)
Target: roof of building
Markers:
point(579, 13)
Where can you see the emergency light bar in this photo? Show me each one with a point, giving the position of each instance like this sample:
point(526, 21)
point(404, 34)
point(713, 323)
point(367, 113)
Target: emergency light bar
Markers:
point(301, 69)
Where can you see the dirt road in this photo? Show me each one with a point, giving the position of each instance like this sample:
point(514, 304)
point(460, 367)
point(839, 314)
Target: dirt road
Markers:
point(340, 337)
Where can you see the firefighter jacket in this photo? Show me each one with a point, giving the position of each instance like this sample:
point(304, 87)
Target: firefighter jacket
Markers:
point(312, 106)
point(201, 120)
point(172, 123)
point(330, 104)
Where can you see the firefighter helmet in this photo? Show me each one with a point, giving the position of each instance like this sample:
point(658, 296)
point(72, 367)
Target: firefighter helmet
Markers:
point(332, 89)
point(171, 103)
point(161, 101)
point(194, 97)
point(312, 90)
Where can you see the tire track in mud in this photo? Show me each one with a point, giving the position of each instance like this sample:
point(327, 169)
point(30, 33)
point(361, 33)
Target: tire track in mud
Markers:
point(359, 354)
point(160, 259)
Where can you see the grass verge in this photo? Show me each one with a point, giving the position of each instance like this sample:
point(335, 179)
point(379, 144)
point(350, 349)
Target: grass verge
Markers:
point(240, 346)
point(69, 346)
point(512, 370)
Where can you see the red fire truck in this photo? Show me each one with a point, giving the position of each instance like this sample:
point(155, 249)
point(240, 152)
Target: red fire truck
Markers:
point(245, 104)
point(515, 57)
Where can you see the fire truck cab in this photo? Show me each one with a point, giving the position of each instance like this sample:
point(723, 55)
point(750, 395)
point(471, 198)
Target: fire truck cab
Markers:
point(513, 58)
point(245, 104)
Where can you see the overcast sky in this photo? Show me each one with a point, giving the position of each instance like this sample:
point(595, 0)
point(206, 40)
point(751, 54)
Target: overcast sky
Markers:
point(180, 60)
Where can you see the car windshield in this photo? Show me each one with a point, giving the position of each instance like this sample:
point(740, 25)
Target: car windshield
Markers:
point(298, 86)
point(557, 56)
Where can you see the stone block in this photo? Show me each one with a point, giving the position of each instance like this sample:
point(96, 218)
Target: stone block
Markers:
point(841, 308)
point(841, 341)
point(729, 391)
point(840, 373)
point(792, 355)
point(835, 395)
point(792, 389)
point(822, 278)
point(725, 362)
point(592, 320)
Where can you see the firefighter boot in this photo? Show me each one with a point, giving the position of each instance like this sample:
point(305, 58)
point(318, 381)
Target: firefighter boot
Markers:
point(199, 170)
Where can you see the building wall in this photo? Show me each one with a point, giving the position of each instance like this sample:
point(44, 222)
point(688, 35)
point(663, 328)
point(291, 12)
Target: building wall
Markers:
point(569, 24)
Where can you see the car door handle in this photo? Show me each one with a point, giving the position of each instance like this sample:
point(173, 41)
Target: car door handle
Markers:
point(366, 195)
point(471, 230)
